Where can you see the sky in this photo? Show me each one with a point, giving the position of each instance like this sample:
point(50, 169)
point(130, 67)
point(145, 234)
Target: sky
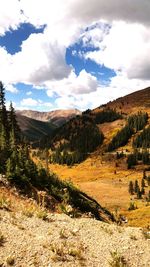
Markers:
point(67, 54)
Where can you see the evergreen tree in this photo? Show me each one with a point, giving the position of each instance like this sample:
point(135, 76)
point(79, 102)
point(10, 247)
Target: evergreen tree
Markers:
point(143, 139)
point(139, 193)
point(14, 129)
point(121, 138)
point(136, 186)
point(131, 188)
point(142, 191)
point(131, 160)
point(142, 183)
point(144, 174)
point(4, 131)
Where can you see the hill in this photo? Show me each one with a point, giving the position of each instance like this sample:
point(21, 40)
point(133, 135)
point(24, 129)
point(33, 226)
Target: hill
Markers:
point(139, 100)
point(57, 117)
point(34, 130)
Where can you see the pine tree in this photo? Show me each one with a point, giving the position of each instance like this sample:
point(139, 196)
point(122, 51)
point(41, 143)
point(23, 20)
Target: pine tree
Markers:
point(4, 131)
point(144, 174)
point(131, 188)
point(136, 186)
point(13, 127)
point(142, 183)
point(139, 193)
point(142, 191)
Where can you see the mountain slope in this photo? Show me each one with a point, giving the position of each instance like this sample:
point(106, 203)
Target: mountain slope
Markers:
point(132, 102)
point(34, 130)
point(57, 117)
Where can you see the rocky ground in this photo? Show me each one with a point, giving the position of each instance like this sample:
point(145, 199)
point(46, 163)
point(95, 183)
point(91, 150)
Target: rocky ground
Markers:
point(51, 240)
point(32, 236)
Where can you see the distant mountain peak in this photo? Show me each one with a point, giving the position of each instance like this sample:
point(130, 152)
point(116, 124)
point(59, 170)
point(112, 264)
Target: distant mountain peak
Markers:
point(57, 117)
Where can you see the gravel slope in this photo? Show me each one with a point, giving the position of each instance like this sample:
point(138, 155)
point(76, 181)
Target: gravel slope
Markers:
point(63, 241)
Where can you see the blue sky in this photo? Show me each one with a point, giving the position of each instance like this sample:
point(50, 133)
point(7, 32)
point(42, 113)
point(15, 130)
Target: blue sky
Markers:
point(73, 54)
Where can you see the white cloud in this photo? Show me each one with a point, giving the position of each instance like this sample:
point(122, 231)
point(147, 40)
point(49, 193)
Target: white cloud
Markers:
point(29, 93)
point(95, 34)
point(42, 56)
point(10, 15)
point(119, 86)
point(27, 103)
point(11, 88)
point(84, 83)
point(30, 102)
point(125, 48)
point(38, 61)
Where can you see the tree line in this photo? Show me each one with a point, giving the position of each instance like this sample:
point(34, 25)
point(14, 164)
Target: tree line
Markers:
point(143, 139)
point(75, 140)
point(137, 156)
point(138, 121)
point(106, 115)
point(134, 123)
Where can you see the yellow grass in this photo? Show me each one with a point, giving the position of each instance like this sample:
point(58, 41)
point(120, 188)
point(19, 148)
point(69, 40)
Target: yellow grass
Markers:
point(108, 185)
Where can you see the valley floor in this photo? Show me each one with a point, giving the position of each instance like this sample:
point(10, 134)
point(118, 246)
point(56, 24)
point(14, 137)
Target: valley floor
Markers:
point(108, 184)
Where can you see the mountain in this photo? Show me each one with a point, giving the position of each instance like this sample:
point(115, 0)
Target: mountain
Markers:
point(57, 117)
point(104, 169)
point(81, 133)
point(34, 130)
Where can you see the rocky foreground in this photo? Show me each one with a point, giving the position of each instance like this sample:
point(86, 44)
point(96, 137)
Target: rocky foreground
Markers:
point(42, 239)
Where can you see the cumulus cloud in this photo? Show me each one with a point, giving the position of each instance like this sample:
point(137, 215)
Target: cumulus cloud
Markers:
point(27, 103)
point(119, 86)
point(11, 88)
point(125, 48)
point(119, 30)
point(38, 61)
point(10, 15)
point(84, 83)
point(131, 11)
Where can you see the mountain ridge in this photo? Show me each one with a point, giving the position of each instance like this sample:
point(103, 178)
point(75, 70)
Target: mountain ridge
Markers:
point(57, 117)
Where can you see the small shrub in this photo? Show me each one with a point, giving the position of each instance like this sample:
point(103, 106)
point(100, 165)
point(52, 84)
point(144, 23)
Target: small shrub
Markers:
point(29, 212)
point(42, 214)
point(117, 260)
point(64, 251)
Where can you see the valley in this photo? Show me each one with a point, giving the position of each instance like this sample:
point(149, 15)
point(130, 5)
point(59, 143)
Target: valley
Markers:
point(104, 176)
